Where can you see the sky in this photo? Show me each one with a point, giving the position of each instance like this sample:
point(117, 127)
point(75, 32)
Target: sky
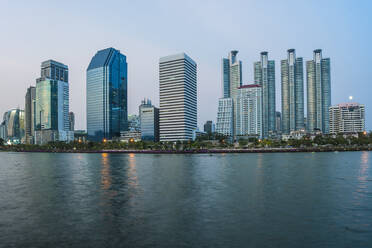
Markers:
point(71, 32)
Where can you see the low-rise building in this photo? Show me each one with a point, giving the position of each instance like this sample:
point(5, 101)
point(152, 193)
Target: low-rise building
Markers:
point(347, 118)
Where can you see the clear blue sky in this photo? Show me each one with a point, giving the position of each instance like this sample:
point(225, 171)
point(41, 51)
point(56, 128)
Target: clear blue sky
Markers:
point(72, 31)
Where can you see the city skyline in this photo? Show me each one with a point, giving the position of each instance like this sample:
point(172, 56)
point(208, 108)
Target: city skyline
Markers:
point(143, 55)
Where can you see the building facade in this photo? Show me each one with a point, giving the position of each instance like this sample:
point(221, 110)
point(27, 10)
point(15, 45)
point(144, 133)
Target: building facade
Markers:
point(149, 119)
point(30, 102)
point(231, 81)
point(278, 122)
point(225, 117)
point(292, 93)
point(52, 102)
point(71, 119)
point(12, 127)
point(107, 107)
point(318, 73)
point(347, 118)
point(264, 75)
point(249, 108)
point(178, 97)
point(209, 127)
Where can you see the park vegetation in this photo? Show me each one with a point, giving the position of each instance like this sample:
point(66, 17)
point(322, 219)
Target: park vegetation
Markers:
point(204, 142)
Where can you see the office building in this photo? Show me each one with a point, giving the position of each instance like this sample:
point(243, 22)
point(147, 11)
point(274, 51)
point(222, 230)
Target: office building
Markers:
point(264, 75)
point(347, 118)
point(71, 119)
point(318, 73)
point(52, 104)
point(249, 109)
point(107, 107)
point(134, 123)
point(149, 119)
point(30, 101)
point(12, 127)
point(225, 117)
point(209, 127)
point(292, 93)
point(178, 97)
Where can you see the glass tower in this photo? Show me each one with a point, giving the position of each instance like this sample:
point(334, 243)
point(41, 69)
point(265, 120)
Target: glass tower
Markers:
point(318, 92)
point(264, 75)
point(107, 107)
point(292, 93)
point(149, 119)
point(52, 97)
point(30, 100)
point(225, 78)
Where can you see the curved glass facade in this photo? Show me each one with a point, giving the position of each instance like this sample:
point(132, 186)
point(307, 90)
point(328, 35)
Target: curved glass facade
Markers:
point(107, 113)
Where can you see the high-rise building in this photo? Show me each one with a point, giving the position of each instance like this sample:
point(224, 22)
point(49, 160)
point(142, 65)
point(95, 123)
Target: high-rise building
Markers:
point(30, 101)
point(149, 119)
point(225, 77)
point(209, 127)
point(13, 129)
point(134, 123)
point(318, 73)
point(178, 97)
point(231, 81)
point(107, 107)
point(225, 117)
point(347, 118)
point(264, 75)
point(71, 119)
point(235, 74)
point(249, 109)
point(278, 122)
point(292, 93)
point(52, 104)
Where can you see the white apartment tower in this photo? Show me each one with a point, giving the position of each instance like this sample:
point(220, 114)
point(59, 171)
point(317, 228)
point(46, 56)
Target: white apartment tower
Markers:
point(249, 109)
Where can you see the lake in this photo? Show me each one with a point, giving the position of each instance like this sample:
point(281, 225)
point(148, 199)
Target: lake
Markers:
point(185, 200)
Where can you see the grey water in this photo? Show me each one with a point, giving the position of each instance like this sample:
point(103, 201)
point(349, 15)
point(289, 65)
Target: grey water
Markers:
point(219, 200)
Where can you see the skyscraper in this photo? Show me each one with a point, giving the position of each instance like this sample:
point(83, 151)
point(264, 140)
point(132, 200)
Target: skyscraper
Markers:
point(52, 103)
point(225, 78)
point(149, 119)
point(249, 109)
point(235, 74)
point(225, 117)
point(318, 92)
point(13, 126)
point(278, 122)
point(264, 75)
point(292, 93)
point(347, 118)
point(107, 107)
point(208, 127)
point(30, 100)
point(71, 119)
point(178, 97)
point(231, 81)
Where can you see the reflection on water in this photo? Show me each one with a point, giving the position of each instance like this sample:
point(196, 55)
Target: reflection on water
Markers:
point(105, 172)
point(132, 173)
point(223, 200)
point(364, 166)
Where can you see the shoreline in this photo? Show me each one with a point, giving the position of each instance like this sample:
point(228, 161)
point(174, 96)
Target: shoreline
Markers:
point(205, 151)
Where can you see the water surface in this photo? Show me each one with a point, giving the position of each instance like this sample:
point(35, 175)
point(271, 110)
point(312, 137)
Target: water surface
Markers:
point(220, 200)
